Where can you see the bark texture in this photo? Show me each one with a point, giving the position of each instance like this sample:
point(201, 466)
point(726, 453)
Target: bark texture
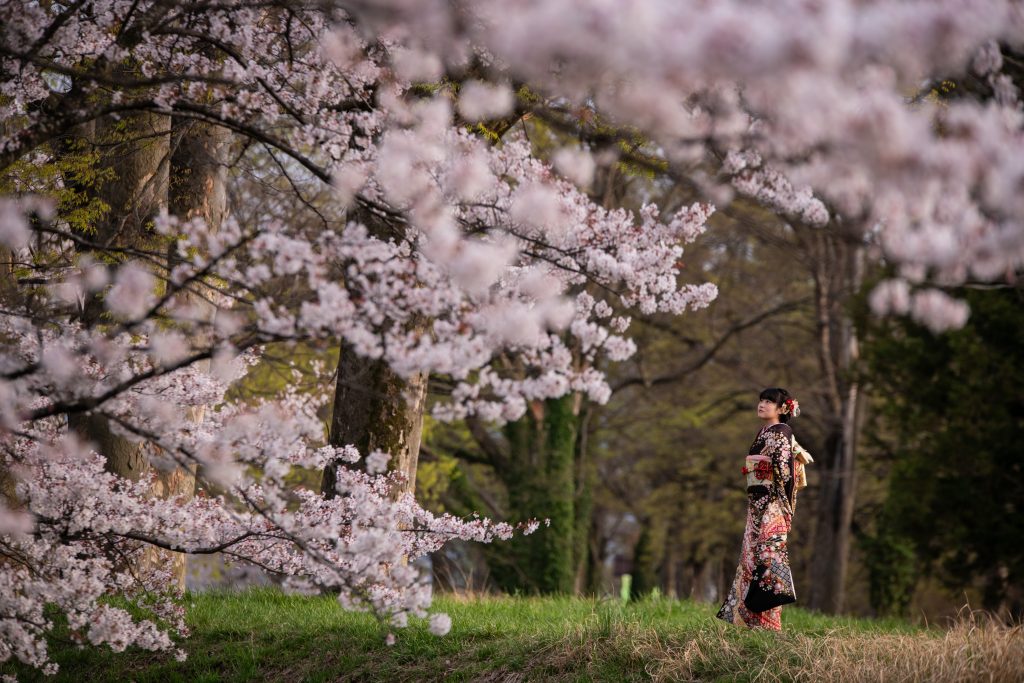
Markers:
point(135, 164)
point(840, 274)
point(376, 409)
point(196, 190)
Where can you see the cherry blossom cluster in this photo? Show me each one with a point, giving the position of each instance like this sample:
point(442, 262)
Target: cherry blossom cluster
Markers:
point(808, 107)
point(511, 268)
point(488, 255)
point(81, 533)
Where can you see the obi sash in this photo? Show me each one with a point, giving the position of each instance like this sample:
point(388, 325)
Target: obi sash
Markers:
point(758, 469)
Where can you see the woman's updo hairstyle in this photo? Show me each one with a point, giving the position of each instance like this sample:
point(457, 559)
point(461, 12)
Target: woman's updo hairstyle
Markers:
point(778, 396)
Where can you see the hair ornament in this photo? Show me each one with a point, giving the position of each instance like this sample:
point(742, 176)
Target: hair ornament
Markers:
point(790, 407)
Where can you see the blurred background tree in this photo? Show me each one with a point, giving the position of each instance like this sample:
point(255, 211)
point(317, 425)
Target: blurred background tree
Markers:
point(949, 420)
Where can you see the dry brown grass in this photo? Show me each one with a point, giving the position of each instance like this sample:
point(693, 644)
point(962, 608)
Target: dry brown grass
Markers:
point(969, 651)
point(975, 648)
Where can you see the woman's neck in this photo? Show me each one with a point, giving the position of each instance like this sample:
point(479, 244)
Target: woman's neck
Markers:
point(768, 422)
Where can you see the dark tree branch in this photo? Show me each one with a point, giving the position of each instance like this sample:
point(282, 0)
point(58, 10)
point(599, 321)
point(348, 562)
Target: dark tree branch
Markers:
point(710, 353)
point(496, 455)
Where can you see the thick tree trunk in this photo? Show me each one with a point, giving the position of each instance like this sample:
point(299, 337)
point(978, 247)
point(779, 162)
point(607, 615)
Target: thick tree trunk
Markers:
point(136, 157)
point(832, 536)
point(196, 190)
point(830, 561)
point(134, 168)
point(377, 410)
point(143, 153)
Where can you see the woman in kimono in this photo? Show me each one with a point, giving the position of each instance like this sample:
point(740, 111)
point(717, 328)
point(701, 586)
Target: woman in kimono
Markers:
point(764, 581)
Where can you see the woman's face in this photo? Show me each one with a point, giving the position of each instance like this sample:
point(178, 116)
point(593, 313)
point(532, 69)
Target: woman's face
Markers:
point(767, 410)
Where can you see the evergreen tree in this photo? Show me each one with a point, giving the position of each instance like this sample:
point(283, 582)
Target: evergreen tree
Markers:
point(952, 407)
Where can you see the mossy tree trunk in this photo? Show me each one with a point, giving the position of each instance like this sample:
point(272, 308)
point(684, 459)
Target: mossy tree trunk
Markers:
point(540, 474)
point(585, 561)
point(376, 409)
point(646, 560)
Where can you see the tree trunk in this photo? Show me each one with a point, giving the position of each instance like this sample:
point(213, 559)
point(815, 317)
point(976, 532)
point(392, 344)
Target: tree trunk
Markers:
point(539, 475)
point(137, 159)
point(583, 506)
point(829, 566)
point(705, 586)
point(142, 161)
point(377, 410)
point(196, 190)
point(646, 562)
point(597, 579)
point(671, 563)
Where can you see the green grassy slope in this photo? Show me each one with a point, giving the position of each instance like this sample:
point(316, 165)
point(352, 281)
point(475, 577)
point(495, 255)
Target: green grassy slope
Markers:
point(264, 635)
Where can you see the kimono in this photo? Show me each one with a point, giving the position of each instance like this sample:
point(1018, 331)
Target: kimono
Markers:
point(764, 580)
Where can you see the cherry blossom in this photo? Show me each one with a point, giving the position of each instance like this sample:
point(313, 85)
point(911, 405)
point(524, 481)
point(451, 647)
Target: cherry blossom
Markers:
point(483, 101)
point(440, 624)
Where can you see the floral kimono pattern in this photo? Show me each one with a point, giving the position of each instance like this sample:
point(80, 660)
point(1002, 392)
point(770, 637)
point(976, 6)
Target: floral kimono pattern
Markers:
point(764, 580)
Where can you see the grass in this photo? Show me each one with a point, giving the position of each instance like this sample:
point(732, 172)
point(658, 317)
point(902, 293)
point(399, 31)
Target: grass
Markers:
point(265, 635)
